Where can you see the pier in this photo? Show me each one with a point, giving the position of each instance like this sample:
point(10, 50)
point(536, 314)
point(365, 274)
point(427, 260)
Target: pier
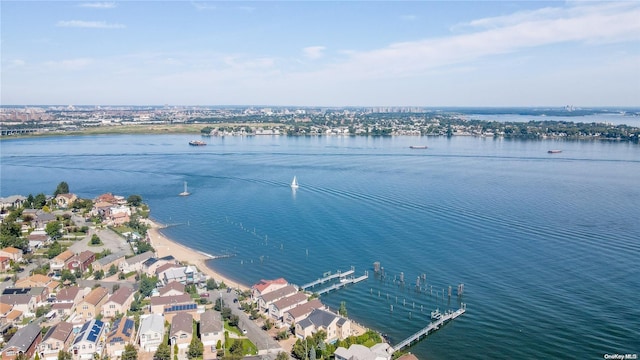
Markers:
point(343, 283)
point(323, 280)
point(433, 326)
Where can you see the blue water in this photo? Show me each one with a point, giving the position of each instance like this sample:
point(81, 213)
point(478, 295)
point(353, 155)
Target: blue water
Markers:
point(547, 245)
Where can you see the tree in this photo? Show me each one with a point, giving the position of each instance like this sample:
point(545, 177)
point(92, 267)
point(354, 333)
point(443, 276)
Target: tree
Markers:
point(134, 200)
point(211, 284)
point(39, 201)
point(236, 348)
point(282, 356)
point(130, 352)
point(54, 249)
point(63, 355)
point(163, 352)
point(147, 284)
point(143, 247)
point(113, 269)
point(66, 274)
point(343, 309)
point(98, 275)
point(95, 240)
point(53, 229)
point(63, 188)
point(196, 348)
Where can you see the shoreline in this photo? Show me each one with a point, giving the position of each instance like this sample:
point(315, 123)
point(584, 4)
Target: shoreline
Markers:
point(165, 246)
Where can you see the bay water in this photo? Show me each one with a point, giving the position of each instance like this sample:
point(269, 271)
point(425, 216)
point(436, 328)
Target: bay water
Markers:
point(546, 245)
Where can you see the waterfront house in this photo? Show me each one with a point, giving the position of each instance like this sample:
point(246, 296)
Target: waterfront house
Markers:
point(81, 261)
point(336, 327)
point(184, 275)
point(88, 340)
point(119, 302)
point(211, 328)
point(381, 351)
point(65, 200)
point(162, 268)
point(181, 330)
point(151, 332)
point(59, 337)
point(12, 253)
point(151, 265)
point(135, 263)
point(277, 308)
point(58, 263)
point(301, 311)
point(171, 289)
point(25, 341)
point(91, 305)
point(265, 286)
point(267, 299)
point(105, 263)
point(122, 333)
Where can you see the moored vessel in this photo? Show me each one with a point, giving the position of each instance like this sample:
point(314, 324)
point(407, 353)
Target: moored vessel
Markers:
point(554, 151)
point(197, 143)
point(418, 147)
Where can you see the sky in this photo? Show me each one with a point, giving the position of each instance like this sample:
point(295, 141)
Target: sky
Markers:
point(321, 53)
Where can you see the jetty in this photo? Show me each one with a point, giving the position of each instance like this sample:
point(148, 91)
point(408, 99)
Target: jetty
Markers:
point(324, 279)
point(343, 282)
point(433, 326)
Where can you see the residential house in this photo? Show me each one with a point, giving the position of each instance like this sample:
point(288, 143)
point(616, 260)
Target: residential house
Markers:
point(118, 215)
point(59, 262)
point(106, 262)
point(24, 299)
point(5, 263)
point(135, 263)
point(38, 239)
point(211, 328)
point(171, 305)
point(42, 219)
point(25, 341)
point(265, 286)
point(12, 253)
point(14, 317)
point(151, 332)
point(172, 288)
point(92, 303)
point(183, 274)
point(59, 337)
point(13, 201)
point(181, 330)
point(65, 200)
point(67, 299)
point(38, 280)
point(151, 265)
point(87, 342)
point(119, 302)
point(162, 268)
point(122, 333)
point(81, 262)
point(336, 327)
point(267, 299)
point(300, 312)
point(278, 308)
point(381, 351)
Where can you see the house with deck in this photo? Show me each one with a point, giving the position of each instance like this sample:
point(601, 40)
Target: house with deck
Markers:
point(265, 300)
point(58, 338)
point(151, 332)
point(24, 342)
point(278, 308)
point(122, 333)
point(301, 311)
point(91, 305)
point(88, 341)
point(265, 286)
point(119, 302)
point(336, 327)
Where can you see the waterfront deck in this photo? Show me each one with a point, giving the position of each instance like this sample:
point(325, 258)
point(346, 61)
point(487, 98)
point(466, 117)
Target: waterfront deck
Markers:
point(433, 326)
point(323, 280)
point(343, 283)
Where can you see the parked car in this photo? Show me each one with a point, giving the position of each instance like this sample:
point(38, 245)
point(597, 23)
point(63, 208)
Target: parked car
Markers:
point(204, 295)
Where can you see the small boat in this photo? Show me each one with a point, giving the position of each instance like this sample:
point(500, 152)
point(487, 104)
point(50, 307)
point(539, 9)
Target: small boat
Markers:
point(418, 147)
point(294, 183)
point(197, 143)
point(185, 192)
point(554, 151)
point(436, 315)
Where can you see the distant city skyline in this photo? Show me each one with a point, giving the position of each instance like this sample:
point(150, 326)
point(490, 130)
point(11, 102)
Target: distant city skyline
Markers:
point(423, 54)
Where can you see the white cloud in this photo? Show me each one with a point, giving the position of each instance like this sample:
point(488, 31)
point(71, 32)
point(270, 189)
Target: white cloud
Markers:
point(69, 64)
point(89, 24)
point(200, 6)
point(99, 5)
point(314, 52)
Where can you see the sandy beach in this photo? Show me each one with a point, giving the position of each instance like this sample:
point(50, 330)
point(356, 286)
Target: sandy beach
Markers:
point(165, 246)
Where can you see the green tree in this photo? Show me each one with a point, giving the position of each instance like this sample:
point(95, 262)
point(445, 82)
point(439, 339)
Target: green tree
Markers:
point(54, 249)
point(39, 201)
point(282, 356)
point(143, 247)
point(163, 352)
point(130, 352)
point(37, 356)
point(63, 188)
point(196, 348)
point(147, 284)
point(343, 309)
point(134, 200)
point(53, 229)
point(236, 348)
point(95, 240)
point(66, 274)
point(98, 275)
point(211, 284)
point(113, 269)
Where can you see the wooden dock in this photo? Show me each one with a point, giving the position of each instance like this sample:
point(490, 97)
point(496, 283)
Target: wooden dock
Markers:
point(323, 280)
point(433, 326)
point(343, 283)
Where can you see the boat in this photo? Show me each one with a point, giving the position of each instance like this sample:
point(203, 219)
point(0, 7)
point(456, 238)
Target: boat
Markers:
point(418, 147)
point(197, 143)
point(554, 151)
point(294, 183)
point(185, 192)
point(436, 315)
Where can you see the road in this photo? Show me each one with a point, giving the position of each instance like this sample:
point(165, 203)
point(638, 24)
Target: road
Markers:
point(265, 343)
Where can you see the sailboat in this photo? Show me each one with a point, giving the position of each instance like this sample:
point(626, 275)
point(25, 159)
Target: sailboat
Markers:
point(185, 192)
point(294, 183)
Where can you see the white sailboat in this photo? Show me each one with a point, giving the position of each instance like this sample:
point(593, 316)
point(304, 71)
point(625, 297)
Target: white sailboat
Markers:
point(185, 192)
point(294, 183)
